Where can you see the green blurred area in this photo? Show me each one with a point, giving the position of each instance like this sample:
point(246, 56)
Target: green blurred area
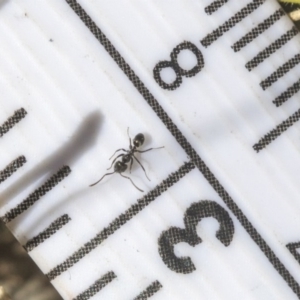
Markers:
point(20, 278)
point(291, 7)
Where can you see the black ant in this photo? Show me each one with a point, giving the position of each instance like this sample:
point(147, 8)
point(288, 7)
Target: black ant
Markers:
point(121, 165)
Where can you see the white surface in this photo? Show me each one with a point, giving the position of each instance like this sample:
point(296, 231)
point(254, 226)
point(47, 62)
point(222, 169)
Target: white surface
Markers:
point(70, 81)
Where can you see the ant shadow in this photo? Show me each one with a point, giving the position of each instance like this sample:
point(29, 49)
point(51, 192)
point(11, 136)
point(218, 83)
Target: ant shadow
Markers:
point(79, 195)
point(3, 3)
point(57, 210)
point(83, 139)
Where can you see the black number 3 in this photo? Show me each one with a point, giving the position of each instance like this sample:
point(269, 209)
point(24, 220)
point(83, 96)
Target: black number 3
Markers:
point(173, 63)
point(193, 215)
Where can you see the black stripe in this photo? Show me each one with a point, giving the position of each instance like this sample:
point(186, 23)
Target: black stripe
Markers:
point(97, 286)
point(153, 288)
point(276, 132)
point(238, 17)
point(12, 167)
point(12, 121)
point(121, 220)
point(281, 71)
point(214, 6)
point(292, 90)
point(255, 32)
point(153, 103)
point(260, 57)
point(293, 249)
point(37, 194)
point(47, 233)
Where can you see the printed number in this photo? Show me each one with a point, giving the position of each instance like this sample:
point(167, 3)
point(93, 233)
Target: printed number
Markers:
point(173, 63)
point(193, 215)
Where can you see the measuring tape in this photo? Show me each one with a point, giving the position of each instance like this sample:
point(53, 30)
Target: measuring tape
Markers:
point(216, 84)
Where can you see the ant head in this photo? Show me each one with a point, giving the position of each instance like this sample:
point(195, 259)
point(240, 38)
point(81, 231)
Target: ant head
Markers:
point(138, 140)
point(120, 167)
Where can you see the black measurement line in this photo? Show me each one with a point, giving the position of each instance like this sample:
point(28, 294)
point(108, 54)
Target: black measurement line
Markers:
point(292, 90)
point(255, 32)
point(280, 42)
point(47, 233)
point(214, 6)
point(12, 168)
point(97, 286)
point(293, 249)
point(153, 288)
point(121, 220)
point(281, 71)
point(210, 177)
point(12, 121)
point(243, 13)
point(37, 194)
point(276, 132)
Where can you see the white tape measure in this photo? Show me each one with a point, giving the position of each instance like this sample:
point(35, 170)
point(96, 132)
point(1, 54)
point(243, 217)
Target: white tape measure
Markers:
point(216, 83)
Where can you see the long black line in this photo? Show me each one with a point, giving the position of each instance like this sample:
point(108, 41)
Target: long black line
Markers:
point(238, 17)
point(211, 8)
point(292, 90)
point(277, 131)
point(280, 42)
point(121, 220)
point(37, 194)
point(255, 32)
point(97, 286)
point(12, 121)
point(153, 103)
point(47, 233)
point(153, 288)
point(12, 168)
point(281, 71)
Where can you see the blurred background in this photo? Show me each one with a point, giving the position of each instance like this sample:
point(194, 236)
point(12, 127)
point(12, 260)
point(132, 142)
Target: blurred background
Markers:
point(20, 278)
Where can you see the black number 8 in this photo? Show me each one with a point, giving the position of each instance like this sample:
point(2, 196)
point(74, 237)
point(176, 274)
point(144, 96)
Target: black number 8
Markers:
point(173, 63)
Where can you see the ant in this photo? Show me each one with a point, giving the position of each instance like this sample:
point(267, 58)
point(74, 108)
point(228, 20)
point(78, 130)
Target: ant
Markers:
point(120, 166)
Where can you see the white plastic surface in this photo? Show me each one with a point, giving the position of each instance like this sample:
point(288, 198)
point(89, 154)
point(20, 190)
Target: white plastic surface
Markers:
point(79, 106)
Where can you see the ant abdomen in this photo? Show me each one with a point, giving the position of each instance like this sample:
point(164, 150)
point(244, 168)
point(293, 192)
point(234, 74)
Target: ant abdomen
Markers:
point(120, 167)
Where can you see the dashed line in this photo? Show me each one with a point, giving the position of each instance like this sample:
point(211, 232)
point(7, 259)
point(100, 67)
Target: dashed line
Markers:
point(12, 121)
point(37, 194)
point(12, 168)
point(238, 17)
point(47, 233)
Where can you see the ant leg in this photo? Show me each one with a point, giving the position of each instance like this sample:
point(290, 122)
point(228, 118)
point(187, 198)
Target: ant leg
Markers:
point(130, 145)
point(131, 162)
point(102, 178)
point(149, 149)
point(116, 152)
point(142, 167)
point(131, 182)
point(115, 160)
